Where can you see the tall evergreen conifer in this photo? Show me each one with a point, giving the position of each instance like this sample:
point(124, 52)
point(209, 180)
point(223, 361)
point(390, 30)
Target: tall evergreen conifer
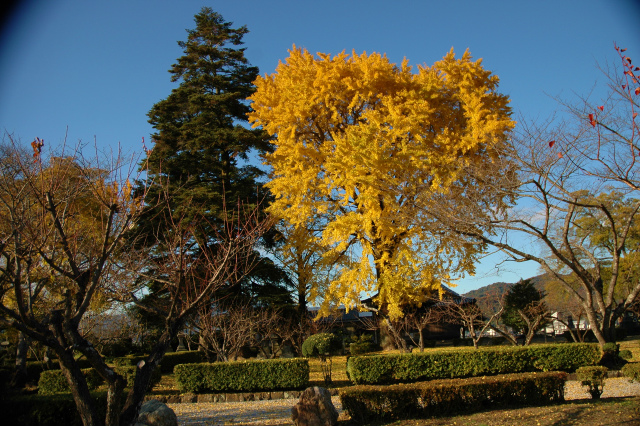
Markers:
point(200, 140)
point(201, 147)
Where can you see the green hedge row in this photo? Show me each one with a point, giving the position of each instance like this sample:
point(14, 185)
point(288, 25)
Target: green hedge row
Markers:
point(444, 397)
point(172, 359)
point(169, 361)
point(245, 376)
point(53, 381)
point(385, 369)
point(632, 371)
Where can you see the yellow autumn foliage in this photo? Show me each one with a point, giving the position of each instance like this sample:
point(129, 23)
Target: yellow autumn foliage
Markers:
point(360, 141)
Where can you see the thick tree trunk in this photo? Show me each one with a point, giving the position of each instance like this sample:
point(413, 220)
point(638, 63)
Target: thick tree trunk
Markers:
point(19, 378)
point(145, 369)
point(79, 389)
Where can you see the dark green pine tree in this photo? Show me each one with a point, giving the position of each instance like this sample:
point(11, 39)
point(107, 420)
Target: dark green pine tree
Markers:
point(200, 140)
point(201, 148)
point(522, 296)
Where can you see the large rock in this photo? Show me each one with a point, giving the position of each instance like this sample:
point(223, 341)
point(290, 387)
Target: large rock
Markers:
point(315, 408)
point(155, 413)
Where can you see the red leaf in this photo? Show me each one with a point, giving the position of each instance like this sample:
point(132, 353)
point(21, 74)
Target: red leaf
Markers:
point(637, 90)
point(592, 121)
point(551, 143)
point(601, 108)
point(559, 155)
point(636, 69)
point(624, 86)
point(628, 59)
point(635, 114)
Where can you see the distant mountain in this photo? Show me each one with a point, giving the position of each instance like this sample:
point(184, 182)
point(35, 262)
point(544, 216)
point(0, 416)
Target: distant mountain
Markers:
point(488, 297)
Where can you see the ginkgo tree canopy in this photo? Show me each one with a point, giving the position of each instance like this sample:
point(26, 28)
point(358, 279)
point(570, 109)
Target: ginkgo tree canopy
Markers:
point(362, 143)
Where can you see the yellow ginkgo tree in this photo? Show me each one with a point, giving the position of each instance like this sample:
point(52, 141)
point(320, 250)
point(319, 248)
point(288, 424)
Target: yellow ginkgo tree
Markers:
point(361, 144)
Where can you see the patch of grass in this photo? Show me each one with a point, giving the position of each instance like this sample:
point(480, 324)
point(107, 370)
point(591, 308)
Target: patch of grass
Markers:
point(632, 344)
point(338, 372)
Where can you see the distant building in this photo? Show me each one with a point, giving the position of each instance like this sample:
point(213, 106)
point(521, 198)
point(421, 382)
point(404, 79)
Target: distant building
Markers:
point(355, 322)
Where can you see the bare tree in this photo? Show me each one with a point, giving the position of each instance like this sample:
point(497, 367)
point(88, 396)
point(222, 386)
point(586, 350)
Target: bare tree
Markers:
point(226, 329)
point(470, 316)
point(419, 320)
point(64, 219)
point(576, 187)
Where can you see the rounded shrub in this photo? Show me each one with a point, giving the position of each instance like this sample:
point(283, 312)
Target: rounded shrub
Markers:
point(632, 371)
point(625, 354)
point(321, 345)
point(611, 356)
point(593, 378)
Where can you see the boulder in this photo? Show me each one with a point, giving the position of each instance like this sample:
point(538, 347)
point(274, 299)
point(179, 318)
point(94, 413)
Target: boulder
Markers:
point(155, 413)
point(314, 408)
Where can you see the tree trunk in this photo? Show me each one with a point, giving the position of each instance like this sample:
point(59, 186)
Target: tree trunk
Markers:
point(19, 378)
point(472, 333)
point(144, 371)
point(79, 389)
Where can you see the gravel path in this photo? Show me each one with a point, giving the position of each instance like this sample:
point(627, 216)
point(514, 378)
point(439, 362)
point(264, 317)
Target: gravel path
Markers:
point(278, 412)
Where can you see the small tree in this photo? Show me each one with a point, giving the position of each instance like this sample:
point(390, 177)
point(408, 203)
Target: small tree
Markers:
point(593, 378)
point(227, 329)
point(470, 316)
point(525, 310)
point(419, 320)
point(322, 346)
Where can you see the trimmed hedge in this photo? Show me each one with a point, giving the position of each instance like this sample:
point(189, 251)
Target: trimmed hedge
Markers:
point(171, 359)
point(632, 371)
point(245, 376)
point(444, 397)
point(53, 381)
point(127, 361)
point(129, 374)
point(393, 368)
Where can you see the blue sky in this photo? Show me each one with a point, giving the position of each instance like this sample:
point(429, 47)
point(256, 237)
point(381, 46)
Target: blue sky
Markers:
point(91, 70)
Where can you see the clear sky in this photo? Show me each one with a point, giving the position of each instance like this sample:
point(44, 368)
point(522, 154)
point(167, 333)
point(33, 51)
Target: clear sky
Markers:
point(91, 70)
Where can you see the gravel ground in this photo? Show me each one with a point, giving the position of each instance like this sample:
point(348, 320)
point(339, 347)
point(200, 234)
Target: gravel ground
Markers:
point(278, 412)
